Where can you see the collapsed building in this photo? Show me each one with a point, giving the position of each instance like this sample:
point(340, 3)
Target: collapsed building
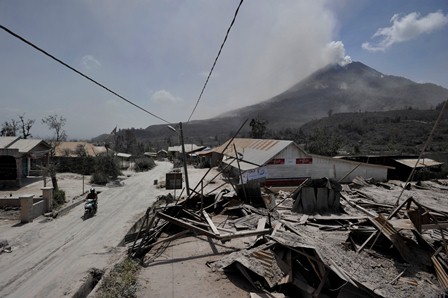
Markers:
point(318, 239)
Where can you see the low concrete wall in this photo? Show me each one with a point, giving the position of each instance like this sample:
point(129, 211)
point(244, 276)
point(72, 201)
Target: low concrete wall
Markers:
point(38, 208)
point(14, 201)
point(9, 202)
point(26, 208)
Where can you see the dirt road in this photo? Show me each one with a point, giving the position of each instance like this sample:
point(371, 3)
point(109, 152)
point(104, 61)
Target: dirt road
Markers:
point(51, 258)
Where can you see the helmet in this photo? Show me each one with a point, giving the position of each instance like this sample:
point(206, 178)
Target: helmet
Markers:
point(92, 190)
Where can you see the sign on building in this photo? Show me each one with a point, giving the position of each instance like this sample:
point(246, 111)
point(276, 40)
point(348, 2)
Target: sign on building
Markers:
point(173, 181)
point(254, 174)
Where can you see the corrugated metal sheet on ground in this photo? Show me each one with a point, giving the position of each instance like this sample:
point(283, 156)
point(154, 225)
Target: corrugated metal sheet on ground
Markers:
point(437, 235)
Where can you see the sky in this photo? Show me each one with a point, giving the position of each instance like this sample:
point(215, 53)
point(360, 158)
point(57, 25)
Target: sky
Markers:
point(158, 54)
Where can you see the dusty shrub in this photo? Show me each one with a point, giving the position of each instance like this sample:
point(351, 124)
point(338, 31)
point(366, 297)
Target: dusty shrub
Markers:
point(144, 164)
point(58, 197)
point(106, 169)
point(122, 280)
point(99, 178)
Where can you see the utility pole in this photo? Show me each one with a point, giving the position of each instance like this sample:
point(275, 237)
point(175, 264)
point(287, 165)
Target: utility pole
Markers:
point(187, 186)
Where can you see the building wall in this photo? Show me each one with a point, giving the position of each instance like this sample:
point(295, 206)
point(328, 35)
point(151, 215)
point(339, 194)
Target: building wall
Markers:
point(337, 169)
point(300, 166)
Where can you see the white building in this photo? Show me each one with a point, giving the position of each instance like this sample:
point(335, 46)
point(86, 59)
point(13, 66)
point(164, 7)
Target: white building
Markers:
point(281, 163)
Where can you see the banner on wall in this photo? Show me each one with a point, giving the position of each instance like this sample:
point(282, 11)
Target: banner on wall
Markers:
point(254, 174)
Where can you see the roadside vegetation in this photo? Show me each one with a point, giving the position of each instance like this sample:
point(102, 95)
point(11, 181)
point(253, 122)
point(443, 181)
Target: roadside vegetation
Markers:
point(58, 198)
point(105, 169)
point(121, 281)
point(143, 164)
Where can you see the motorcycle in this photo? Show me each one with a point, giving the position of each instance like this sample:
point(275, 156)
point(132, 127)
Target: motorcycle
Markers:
point(89, 209)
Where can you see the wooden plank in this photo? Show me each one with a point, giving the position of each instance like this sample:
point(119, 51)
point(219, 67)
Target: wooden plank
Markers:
point(402, 224)
point(354, 205)
point(443, 225)
point(276, 227)
point(172, 237)
point(441, 273)
point(184, 224)
point(244, 234)
point(303, 219)
point(388, 230)
point(206, 225)
point(367, 241)
point(321, 285)
point(261, 223)
point(210, 222)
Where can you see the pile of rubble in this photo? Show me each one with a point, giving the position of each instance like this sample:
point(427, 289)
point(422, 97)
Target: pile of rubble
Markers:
point(321, 239)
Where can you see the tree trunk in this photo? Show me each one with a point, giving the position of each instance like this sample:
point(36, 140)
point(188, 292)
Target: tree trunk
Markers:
point(54, 181)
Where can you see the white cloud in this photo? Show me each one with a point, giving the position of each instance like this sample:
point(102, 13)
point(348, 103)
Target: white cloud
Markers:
point(335, 52)
point(163, 96)
point(89, 62)
point(406, 28)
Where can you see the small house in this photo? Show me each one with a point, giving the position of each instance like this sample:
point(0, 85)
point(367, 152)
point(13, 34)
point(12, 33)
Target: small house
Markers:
point(20, 158)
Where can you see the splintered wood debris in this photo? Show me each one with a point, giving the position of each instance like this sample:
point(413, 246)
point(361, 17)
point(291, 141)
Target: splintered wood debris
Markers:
point(322, 240)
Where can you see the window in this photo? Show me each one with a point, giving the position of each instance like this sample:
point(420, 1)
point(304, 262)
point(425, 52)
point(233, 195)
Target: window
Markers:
point(304, 161)
point(277, 161)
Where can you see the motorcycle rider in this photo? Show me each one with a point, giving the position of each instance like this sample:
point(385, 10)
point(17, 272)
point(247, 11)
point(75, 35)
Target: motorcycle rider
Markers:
point(92, 195)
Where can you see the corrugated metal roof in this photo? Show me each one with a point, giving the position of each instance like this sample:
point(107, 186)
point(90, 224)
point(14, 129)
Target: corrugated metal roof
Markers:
point(188, 148)
point(6, 141)
point(124, 155)
point(423, 163)
point(255, 151)
point(26, 145)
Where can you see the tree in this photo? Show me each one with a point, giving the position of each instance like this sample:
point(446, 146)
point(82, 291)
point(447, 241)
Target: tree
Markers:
point(258, 128)
point(9, 128)
point(25, 126)
point(56, 124)
point(322, 142)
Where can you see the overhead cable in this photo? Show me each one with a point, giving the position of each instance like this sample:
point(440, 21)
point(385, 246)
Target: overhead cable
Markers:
point(216, 59)
point(79, 72)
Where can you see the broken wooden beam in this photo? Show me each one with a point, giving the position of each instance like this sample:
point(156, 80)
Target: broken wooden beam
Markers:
point(184, 224)
point(210, 222)
point(244, 234)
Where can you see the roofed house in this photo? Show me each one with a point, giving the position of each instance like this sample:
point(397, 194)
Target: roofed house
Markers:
point(78, 149)
point(176, 151)
point(284, 163)
point(401, 166)
point(20, 158)
point(124, 160)
point(77, 157)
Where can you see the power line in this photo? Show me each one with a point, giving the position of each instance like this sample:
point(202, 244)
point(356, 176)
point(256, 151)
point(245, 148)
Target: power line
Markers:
point(216, 59)
point(79, 72)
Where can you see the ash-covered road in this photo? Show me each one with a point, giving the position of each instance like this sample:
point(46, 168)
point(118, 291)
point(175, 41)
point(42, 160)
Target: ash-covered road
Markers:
point(51, 258)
